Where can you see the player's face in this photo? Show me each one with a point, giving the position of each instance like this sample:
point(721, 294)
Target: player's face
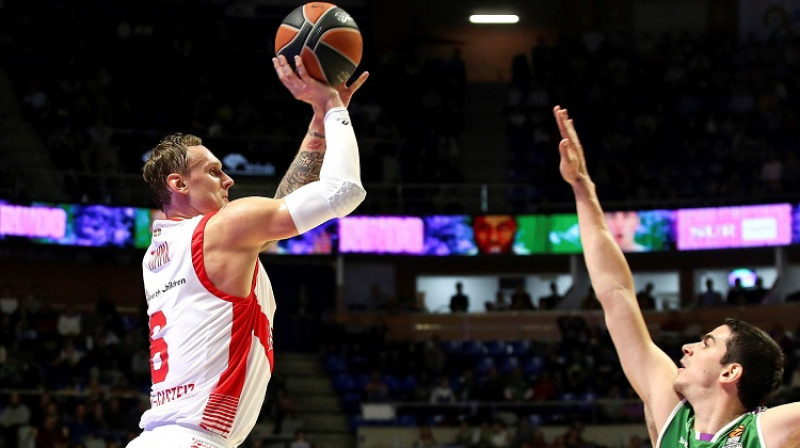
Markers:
point(208, 184)
point(494, 234)
point(700, 365)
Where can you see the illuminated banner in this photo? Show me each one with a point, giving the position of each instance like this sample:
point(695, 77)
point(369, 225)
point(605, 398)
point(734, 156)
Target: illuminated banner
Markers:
point(32, 222)
point(731, 227)
point(95, 225)
point(318, 241)
point(381, 235)
point(449, 235)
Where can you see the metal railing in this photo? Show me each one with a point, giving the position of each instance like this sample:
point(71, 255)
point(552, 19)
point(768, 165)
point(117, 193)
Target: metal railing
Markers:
point(382, 198)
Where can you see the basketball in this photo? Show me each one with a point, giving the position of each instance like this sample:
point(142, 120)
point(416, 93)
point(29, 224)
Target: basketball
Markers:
point(327, 39)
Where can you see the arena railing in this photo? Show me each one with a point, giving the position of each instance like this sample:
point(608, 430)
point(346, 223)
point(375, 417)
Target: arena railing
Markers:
point(383, 197)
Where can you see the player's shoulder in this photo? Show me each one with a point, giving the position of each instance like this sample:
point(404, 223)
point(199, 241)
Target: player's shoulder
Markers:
point(780, 426)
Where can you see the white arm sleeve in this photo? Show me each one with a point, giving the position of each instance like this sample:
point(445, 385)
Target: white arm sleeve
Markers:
point(338, 191)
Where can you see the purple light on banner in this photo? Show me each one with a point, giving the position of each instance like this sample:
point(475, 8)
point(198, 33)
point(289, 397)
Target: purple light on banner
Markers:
point(724, 227)
point(381, 234)
point(32, 222)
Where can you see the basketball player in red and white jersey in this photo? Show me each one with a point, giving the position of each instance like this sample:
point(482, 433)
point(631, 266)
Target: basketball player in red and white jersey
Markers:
point(210, 302)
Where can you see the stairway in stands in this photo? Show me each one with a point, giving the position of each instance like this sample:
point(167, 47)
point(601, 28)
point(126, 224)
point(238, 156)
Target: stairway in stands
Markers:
point(309, 385)
point(483, 141)
point(21, 150)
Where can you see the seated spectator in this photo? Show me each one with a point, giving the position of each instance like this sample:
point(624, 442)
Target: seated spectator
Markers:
point(459, 302)
point(52, 433)
point(492, 387)
point(376, 389)
point(9, 303)
point(442, 392)
point(710, 298)
point(14, 416)
point(300, 440)
point(523, 433)
point(500, 437)
point(463, 437)
point(521, 300)
point(69, 322)
point(551, 302)
point(425, 438)
point(517, 387)
point(737, 294)
point(758, 293)
point(544, 388)
point(645, 298)
point(500, 303)
point(482, 435)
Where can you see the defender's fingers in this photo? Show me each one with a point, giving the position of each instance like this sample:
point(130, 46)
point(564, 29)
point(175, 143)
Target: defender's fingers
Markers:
point(559, 114)
point(573, 134)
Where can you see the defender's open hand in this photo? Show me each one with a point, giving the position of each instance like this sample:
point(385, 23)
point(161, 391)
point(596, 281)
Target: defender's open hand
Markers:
point(573, 163)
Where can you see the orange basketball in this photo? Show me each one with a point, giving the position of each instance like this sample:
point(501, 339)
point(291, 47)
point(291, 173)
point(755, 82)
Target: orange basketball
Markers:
point(326, 37)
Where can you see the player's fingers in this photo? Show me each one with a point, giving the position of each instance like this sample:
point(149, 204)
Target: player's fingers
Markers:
point(573, 134)
point(359, 81)
point(282, 68)
point(301, 69)
point(563, 147)
point(559, 114)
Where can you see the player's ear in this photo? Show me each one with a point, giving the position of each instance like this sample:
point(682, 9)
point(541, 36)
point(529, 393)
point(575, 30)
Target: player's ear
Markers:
point(731, 373)
point(175, 182)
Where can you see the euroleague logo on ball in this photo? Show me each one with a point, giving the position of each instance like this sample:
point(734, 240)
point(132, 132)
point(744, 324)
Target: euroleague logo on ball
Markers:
point(343, 16)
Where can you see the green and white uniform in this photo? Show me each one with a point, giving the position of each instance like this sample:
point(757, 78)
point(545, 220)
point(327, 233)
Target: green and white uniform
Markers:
point(742, 432)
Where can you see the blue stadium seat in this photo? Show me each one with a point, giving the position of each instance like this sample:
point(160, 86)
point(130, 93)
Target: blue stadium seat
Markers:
point(473, 348)
point(335, 363)
point(344, 382)
point(408, 385)
point(508, 364)
point(496, 348)
point(483, 364)
point(451, 347)
point(519, 348)
point(533, 365)
point(351, 402)
point(406, 420)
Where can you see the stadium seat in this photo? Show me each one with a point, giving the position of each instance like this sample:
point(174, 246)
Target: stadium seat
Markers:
point(483, 364)
point(533, 365)
point(496, 348)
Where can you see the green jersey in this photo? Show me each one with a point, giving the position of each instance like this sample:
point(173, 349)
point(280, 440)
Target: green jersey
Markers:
point(742, 432)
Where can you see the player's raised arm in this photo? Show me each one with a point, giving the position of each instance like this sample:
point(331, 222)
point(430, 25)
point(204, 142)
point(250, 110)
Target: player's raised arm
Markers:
point(308, 161)
point(649, 370)
point(256, 220)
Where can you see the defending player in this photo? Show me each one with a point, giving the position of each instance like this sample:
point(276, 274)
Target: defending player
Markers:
point(711, 400)
point(210, 302)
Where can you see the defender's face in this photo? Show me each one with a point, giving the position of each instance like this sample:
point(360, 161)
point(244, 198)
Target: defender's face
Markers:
point(700, 366)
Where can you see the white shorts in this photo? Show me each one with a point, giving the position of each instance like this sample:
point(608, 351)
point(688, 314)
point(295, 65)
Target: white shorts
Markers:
point(174, 436)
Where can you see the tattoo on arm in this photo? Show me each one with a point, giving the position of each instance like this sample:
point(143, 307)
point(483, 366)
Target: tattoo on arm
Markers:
point(304, 169)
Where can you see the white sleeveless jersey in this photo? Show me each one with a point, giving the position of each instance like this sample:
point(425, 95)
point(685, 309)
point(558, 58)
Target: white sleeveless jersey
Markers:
point(210, 353)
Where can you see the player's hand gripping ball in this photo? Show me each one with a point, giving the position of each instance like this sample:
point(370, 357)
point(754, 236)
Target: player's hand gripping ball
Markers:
point(327, 39)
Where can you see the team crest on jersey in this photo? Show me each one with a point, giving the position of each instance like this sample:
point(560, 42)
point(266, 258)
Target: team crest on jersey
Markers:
point(734, 438)
point(158, 256)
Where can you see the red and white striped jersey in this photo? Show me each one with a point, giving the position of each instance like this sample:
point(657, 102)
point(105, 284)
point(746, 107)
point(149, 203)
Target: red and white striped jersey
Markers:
point(210, 352)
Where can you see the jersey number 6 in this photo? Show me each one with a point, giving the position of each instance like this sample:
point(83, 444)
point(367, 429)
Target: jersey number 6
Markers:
point(159, 358)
